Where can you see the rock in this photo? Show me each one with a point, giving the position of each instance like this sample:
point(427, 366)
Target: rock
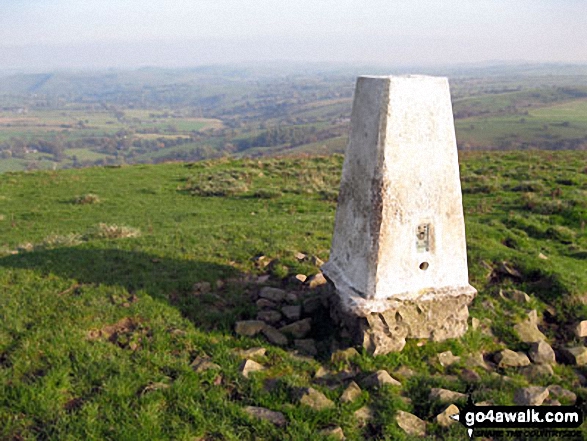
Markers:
point(274, 294)
point(447, 358)
point(249, 366)
point(475, 323)
point(291, 298)
point(516, 295)
point(315, 399)
point(380, 378)
point(316, 281)
point(299, 256)
point(509, 358)
point(312, 304)
point(201, 364)
point(470, 376)
point(249, 328)
point(306, 345)
point(316, 261)
point(262, 413)
point(557, 391)
point(445, 395)
point(528, 331)
point(530, 396)
point(263, 279)
point(333, 433)
point(581, 329)
point(261, 261)
point(298, 329)
point(364, 415)
point(251, 352)
point(322, 373)
point(485, 403)
point(576, 355)
point(201, 287)
point(269, 316)
point(344, 355)
point(265, 304)
point(537, 371)
point(551, 402)
point(410, 423)
point(477, 360)
point(351, 393)
point(274, 336)
point(404, 371)
point(298, 279)
point(542, 256)
point(444, 419)
point(292, 312)
point(541, 353)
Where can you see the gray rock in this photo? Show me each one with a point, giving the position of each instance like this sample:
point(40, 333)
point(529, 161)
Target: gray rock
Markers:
point(291, 298)
point(274, 336)
point(551, 402)
point(447, 358)
point(516, 295)
point(537, 371)
point(444, 419)
point(581, 329)
point(333, 433)
point(298, 329)
point(379, 379)
point(316, 281)
point(249, 328)
point(274, 294)
point(509, 358)
point(312, 304)
point(351, 393)
point(410, 423)
point(316, 261)
point(404, 372)
point(201, 364)
point(364, 415)
point(251, 352)
point(306, 345)
point(292, 312)
point(249, 366)
point(344, 355)
point(528, 331)
point(262, 413)
point(576, 355)
point(269, 316)
point(445, 396)
point(470, 376)
point(477, 360)
point(265, 304)
point(557, 391)
point(315, 399)
point(541, 353)
point(530, 396)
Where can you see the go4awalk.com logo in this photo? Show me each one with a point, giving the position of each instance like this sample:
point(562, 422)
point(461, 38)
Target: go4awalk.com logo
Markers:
point(546, 419)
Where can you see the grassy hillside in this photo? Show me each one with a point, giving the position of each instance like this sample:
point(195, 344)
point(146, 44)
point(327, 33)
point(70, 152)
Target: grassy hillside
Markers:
point(104, 304)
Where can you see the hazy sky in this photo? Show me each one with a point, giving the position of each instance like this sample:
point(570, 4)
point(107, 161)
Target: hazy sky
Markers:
point(131, 33)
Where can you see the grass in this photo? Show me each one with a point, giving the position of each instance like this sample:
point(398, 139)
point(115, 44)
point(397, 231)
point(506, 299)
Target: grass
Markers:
point(99, 321)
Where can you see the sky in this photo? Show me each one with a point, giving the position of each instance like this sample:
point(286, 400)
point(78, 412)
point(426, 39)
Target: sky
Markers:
point(48, 34)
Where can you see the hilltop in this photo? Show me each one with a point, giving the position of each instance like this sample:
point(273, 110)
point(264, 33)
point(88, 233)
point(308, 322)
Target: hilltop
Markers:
point(121, 288)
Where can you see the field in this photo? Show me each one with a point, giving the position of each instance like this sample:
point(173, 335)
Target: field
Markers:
point(105, 307)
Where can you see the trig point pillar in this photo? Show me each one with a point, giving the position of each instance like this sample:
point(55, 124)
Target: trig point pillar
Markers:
point(398, 259)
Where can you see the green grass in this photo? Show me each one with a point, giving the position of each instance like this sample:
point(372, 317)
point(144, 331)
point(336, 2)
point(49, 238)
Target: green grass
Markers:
point(69, 271)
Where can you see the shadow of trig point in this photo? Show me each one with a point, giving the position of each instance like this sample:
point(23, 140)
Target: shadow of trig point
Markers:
point(398, 260)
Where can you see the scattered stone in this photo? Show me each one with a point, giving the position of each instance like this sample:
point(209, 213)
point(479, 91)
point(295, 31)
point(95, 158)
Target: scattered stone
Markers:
point(274, 294)
point(300, 256)
point(261, 261)
point(470, 376)
point(542, 256)
point(315, 399)
point(316, 261)
point(269, 316)
point(551, 402)
point(364, 415)
point(351, 393)
point(541, 353)
point(201, 364)
point(292, 312)
point(530, 396)
point(447, 358)
point(410, 423)
point(262, 413)
point(581, 329)
point(263, 279)
point(475, 323)
point(485, 403)
point(477, 360)
point(576, 355)
point(251, 352)
point(249, 327)
point(316, 281)
point(536, 371)
point(557, 391)
point(291, 298)
point(344, 355)
point(528, 331)
point(265, 304)
point(405, 372)
point(444, 419)
point(516, 295)
point(249, 366)
point(298, 329)
point(321, 373)
point(312, 304)
point(306, 345)
point(333, 433)
point(445, 395)
point(201, 287)
point(274, 336)
point(380, 378)
point(299, 279)
point(509, 358)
